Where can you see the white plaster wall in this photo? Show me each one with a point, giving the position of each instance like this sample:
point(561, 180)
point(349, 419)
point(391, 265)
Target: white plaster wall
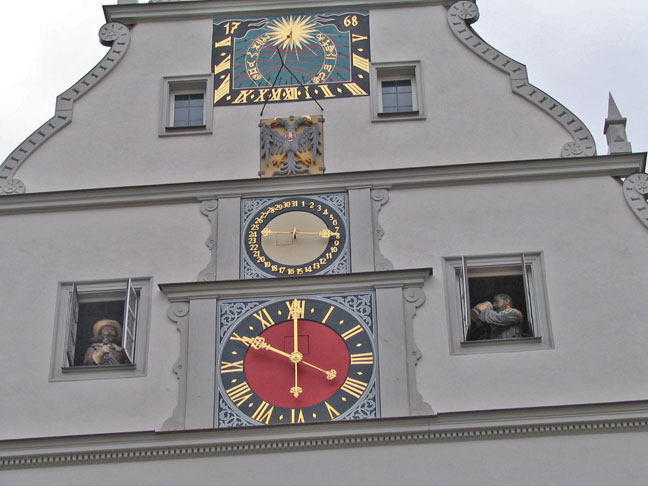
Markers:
point(472, 115)
point(39, 250)
point(566, 460)
point(596, 264)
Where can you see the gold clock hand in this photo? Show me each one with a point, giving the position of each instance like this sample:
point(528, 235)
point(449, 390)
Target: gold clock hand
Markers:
point(260, 343)
point(326, 233)
point(296, 390)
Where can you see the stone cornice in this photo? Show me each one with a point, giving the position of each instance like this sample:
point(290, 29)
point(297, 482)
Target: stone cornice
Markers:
point(289, 285)
point(444, 427)
point(620, 165)
point(147, 12)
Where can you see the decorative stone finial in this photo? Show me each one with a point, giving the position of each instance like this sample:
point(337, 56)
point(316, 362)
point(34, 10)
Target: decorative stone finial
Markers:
point(615, 130)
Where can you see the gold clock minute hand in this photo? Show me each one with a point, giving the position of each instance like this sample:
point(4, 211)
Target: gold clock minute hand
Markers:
point(260, 343)
point(326, 233)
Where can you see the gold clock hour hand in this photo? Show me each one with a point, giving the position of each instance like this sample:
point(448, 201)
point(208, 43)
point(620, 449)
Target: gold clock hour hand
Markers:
point(296, 390)
point(296, 357)
point(325, 233)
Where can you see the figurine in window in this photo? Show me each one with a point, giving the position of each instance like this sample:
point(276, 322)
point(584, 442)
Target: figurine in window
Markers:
point(497, 320)
point(106, 349)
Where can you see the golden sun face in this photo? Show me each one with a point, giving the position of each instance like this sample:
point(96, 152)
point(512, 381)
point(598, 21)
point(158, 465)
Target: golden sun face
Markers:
point(292, 32)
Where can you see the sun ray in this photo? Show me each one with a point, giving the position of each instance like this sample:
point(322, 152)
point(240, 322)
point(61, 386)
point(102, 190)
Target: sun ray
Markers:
point(292, 33)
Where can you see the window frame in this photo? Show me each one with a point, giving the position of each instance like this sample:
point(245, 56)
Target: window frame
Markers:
point(458, 308)
point(100, 290)
point(182, 85)
point(396, 71)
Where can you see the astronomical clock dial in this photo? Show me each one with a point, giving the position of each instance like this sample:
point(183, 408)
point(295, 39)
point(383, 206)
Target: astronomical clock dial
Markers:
point(299, 235)
point(296, 359)
point(290, 57)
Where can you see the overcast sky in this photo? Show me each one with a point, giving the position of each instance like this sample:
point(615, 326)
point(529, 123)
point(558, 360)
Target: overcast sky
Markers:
point(575, 50)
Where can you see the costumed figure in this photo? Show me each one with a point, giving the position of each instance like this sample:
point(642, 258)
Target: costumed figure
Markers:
point(497, 320)
point(106, 350)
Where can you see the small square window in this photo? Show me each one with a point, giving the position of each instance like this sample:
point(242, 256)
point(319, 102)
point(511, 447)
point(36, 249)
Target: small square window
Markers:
point(184, 106)
point(101, 327)
point(497, 303)
point(396, 91)
point(188, 110)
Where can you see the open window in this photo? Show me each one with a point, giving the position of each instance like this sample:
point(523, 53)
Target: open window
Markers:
point(497, 303)
point(102, 329)
point(185, 105)
point(397, 91)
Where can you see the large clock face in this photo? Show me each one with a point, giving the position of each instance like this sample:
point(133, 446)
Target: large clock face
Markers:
point(298, 235)
point(290, 57)
point(297, 359)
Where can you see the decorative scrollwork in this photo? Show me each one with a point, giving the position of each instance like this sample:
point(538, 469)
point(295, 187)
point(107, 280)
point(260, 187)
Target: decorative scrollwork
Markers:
point(12, 186)
point(463, 13)
point(379, 197)
point(361, 305)
point(367, 409)
point(635, 190)
point(209, 208)
point(112, 34)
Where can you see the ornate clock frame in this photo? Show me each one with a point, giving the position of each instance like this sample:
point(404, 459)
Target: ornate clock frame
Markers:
point(194, 307)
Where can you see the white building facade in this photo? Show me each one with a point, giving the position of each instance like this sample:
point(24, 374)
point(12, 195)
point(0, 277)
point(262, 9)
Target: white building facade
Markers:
point(305, 310)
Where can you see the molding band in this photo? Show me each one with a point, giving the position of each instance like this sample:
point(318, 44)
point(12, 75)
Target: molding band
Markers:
point(465, 12)
point(618, 165)
point(112, 34)
point(446, 427)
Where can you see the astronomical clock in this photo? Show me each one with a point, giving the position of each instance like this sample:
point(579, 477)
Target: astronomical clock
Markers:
point(305, 358)
point(294, 235)
point(258, 60)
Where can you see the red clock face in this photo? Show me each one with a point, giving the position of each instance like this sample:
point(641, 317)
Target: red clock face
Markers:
point(296, 360)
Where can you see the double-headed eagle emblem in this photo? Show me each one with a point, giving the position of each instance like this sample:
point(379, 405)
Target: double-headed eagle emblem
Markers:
point(292, 145)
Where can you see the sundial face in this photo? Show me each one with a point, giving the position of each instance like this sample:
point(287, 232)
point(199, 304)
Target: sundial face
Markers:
point(290, 58)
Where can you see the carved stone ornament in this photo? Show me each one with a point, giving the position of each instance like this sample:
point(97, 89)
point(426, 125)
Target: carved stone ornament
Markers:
point(379, 197)
point(292, 146)
point(635, 190)
point(112, 34)
point(209, 208)
point(463, 13)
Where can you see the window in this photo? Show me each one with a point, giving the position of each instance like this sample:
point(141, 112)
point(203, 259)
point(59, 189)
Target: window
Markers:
point(188, 109)
point(185, 110)
point(497, 303)
point(101, 329)
point(396, 91)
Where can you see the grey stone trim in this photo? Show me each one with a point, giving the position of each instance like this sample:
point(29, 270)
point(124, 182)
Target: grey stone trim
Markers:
point(414, 297)
point(635, 190)
point(209, 208)
point(179, 313)
point(591, 419)
point(379, 198)
point(134, 13)
point(618, 165)
point(463, 13)
point(112, 34)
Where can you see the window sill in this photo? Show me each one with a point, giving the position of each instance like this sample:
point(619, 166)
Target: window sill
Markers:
point(511, 345)
point(399, 116)
point(191, 130)
point(85, 369)
point(501, 342)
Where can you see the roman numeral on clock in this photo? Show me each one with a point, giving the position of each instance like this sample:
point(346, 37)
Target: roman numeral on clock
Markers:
point(227, 367)
point(264, 323)
point(352, 332)
point(263, 413)
point(362, 359)
point(354, 387)
point(240, 393)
